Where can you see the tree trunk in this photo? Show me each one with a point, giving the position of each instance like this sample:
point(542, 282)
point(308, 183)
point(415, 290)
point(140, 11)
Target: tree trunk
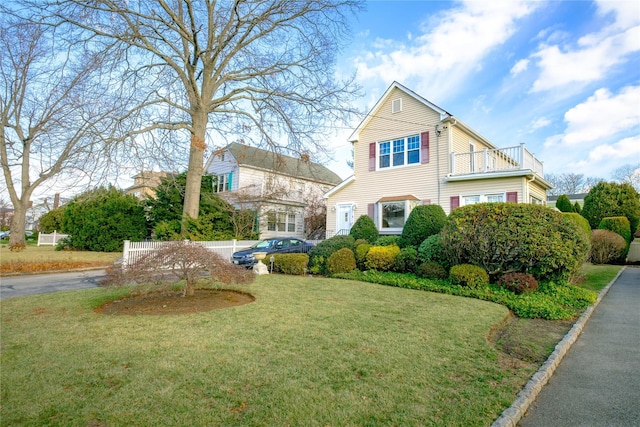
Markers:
point(18, 222)
point(194, 172)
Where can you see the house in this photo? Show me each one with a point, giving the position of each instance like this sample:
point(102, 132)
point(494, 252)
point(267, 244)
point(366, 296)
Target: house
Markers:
point(408, 151)
point(279, 187)
point(145, 184)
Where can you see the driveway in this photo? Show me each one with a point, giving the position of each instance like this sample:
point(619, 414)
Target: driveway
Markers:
point(32, 284)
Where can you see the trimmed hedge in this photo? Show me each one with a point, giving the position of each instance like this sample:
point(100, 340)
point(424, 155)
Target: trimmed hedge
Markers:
point(551, 301)
point(381, 258)
point(518, 283)
point(295, 264)
point(341, 261)
point(319, 254)
point(606, 247)
point(432, 270)
point(617, 224)
point(433, 250)
point(364, 228)
point(423, 221)
point(580, 221)
point(406, 261)
point(361, 255)
point(468, 275)
point(504, 237)
point(387, 241)
point(563, 204)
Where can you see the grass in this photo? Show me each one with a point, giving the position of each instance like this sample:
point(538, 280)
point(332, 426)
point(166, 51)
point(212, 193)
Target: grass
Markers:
point(596, 277)
point(310, 352)
point(46, 258)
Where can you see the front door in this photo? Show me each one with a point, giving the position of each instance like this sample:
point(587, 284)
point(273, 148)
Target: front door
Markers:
point(345, 218)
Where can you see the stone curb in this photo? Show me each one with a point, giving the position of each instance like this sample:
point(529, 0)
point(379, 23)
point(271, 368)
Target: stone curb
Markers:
point(513, 414)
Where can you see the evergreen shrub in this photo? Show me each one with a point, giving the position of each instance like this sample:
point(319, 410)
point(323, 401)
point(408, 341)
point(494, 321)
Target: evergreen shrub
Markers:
point(432, 270)
point(295, 264)
point(617, 224)
point(432, 249)
point(361, 255)
point(609, 199)
point(406, 261)
point(320, 253)
point(468, 275)
point(341, 261)
point(364, 228)
point(423, 221)
point(563, 204)
point(387, 241)
point(381, 258)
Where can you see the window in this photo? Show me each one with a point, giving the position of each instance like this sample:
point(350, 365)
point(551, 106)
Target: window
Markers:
point(495, 198)
point(482, 198)
point(393, 214)
point(223, 182)
point(470, 200)
point(281, 221)
point(399, 152)
point(535, 201)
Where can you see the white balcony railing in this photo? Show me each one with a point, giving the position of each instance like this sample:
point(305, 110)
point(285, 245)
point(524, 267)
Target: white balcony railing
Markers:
point(499, 160)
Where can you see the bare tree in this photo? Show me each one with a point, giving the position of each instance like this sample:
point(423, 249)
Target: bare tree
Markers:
point(629, 174)
point(570, 183)
point(260, 71)
point(55, 112)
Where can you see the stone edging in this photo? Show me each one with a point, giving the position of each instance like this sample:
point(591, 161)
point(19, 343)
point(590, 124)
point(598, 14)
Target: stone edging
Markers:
point(512, 415)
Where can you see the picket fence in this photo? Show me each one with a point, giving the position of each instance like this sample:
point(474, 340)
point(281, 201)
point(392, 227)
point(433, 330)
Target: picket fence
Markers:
point(50, 239)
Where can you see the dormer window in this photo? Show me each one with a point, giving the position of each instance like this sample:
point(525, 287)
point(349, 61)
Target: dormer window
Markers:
point(396, 105)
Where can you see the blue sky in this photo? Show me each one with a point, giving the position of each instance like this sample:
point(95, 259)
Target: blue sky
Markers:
point(561, 76)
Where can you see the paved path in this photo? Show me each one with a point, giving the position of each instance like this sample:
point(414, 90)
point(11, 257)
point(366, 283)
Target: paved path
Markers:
point(598, 381)
point(31, 284)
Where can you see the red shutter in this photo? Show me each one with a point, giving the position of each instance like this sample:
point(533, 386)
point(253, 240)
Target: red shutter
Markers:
point(372, 156)
point(371, 210)
point(426, 202)
point(424, 147)
point(455, 202)
point(512, 197)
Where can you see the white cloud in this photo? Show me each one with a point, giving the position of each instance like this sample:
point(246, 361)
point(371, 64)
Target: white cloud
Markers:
point(519, 67)
point(594, 54)
point(602, 115)
point(538, 123)
point(453, 46)
point(607, 157)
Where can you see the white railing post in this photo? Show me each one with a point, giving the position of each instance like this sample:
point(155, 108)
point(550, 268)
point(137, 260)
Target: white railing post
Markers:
point(486, 158)
point(453, 163)
point(125, 254)
point(39, 236)
point(522, 153)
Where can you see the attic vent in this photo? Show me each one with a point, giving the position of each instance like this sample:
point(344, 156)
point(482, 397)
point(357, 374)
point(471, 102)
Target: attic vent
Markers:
point(396, 105)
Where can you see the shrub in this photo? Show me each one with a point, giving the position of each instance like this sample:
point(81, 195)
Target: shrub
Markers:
point(387, 241)
point(563, 204)
point(612, 199)
point(52, 221)
point(423, 221)
point(580, 221)
point(577, 208)
point(364, 228)
point(433, 250)
point(381, 258)
point(432, 270)
point(341, 261)
point(525, 238)
point(361, 255)
point(359, 242)
point(319, 255)
point(406, 261)
point(290, 263)
point(518, 283)
point(617, 224)
point(468, 275)
point(186, 261)
point(606, 246)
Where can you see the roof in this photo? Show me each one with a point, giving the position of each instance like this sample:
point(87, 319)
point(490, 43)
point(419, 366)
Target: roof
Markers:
point(578, 196)
point(263, 159)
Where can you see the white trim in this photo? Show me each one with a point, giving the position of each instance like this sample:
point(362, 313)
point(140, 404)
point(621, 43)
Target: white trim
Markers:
point(501, 174)
point(339, 187)
point(483, 196)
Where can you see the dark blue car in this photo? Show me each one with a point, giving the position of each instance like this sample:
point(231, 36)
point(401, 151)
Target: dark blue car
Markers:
point(286, 245)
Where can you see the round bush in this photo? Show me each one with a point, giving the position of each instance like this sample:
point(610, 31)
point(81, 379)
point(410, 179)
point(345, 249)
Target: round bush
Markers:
point(361, 255)
point(381, 258)
point(523, 238)
point(423, 221)
point(406, 261)
point(319, 255)
point(364, 228)
point(518, 283)
point(387, 241)
point(563, 204)
point(433, 250)
point(606, 246)
point(617, 224)
point(468, 275)
point(341, 261)
point(432, 270)
point(580, 221)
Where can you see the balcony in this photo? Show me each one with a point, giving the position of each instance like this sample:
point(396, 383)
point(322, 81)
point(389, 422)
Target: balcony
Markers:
point(495, 162)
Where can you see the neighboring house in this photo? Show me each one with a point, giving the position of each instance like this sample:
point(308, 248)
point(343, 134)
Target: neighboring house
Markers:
point(573, 198)
point(278, 187)
point(145, 184)
point(408, 152)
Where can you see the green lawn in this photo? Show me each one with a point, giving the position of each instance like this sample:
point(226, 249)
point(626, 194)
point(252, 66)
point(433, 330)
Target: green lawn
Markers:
point(312, 352)
point(46, 258)
point(596, 277)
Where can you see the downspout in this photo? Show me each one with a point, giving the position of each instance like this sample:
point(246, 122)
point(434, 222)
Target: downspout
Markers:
point(438, 161)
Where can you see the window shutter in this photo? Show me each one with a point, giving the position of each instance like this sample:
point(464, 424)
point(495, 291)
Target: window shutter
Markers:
point(424, 147)
point(512, 197)
point(455, 202)
point(426, 202)
point(230, 181)
point(371, 210)
point(372, 156)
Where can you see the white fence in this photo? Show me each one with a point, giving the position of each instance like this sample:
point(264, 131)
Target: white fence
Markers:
point(51, 239)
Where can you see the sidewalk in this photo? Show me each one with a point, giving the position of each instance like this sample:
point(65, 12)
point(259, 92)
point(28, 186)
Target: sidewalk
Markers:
point(598, 381)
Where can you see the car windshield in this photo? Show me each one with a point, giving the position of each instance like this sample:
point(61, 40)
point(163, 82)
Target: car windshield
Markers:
point(263, 244)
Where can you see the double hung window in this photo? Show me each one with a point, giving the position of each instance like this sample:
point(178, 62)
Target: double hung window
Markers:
point(399, 152)
point(281, 221)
